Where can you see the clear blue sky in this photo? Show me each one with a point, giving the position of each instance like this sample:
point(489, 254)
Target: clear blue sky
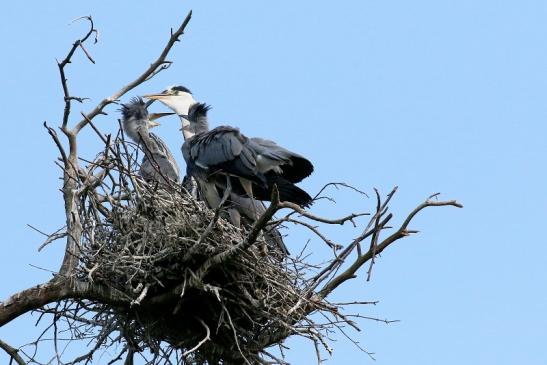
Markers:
point(432, 96)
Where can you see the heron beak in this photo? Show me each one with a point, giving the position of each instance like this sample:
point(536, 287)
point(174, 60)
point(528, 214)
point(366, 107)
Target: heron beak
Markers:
point(154, 96)
point(154, 116)
point(152, 124)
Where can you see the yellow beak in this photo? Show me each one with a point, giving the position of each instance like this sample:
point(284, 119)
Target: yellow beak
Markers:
point(152, 124)
point(154, 116)
point(154, 96)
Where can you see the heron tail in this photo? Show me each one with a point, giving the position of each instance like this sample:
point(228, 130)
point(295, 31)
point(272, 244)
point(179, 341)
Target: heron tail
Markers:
point(288, 191)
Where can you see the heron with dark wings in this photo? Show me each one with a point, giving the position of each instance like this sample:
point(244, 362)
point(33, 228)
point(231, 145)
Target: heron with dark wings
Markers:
point(256, 164)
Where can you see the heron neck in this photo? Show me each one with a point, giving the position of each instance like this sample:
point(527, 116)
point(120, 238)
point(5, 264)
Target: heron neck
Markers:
point(186, 129)
point(191, 129)
point(201, 125)
point(134, 132)
point(144, 138)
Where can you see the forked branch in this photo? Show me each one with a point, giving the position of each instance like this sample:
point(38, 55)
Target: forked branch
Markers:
point(374, 250)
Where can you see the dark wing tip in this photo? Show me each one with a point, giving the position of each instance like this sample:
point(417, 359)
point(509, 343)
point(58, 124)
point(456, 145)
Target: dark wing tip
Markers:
point(300, 169)
point(288, 191)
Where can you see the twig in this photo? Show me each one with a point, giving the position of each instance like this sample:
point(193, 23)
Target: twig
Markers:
point(200, 343)
point(400, 233)
point(307, 214)
point(12, 352)
point(61, 65)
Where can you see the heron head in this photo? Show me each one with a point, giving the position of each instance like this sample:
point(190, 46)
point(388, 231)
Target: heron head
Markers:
point(177, 98)
point(136, 119)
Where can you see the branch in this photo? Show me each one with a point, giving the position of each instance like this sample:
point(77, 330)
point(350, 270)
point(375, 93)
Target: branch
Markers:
point(13, 352)
point(205, 339)
point(307, 214)
point(65, 62)
point(400, 233)
point(55, 138)
point(54, 291)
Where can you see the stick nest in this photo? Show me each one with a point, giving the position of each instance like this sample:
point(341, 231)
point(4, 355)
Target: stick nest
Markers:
point(148, 244)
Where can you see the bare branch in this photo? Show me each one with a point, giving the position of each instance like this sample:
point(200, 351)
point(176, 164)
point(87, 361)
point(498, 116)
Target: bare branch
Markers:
point(205, 339)
point(12, 352)
point(54, 291)
point(400, 233)
point(55, 138)
point(307, 214)
point(61, 65)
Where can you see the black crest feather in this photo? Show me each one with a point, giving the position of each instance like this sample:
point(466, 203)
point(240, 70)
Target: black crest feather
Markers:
point(135, 108)
point(198, 110)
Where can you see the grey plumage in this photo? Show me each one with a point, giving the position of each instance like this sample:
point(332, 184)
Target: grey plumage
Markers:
point(225, 151)
point(158, 164)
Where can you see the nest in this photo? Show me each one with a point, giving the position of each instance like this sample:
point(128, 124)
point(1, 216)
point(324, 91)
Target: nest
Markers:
point(176, 266)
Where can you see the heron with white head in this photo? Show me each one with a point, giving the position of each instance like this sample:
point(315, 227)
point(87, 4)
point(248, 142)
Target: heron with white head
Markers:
point(258, 164)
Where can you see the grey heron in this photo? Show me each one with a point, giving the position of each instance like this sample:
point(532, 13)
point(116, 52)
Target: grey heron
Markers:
point(158, 164)
point(180, 99)
point(258, 164)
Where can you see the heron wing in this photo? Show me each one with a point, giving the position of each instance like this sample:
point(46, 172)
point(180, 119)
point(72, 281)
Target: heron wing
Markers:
point(224, 149)
point(156, 167)
point(294, 167)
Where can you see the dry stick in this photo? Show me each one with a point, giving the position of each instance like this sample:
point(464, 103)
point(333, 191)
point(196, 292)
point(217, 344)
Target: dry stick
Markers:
point(330, 243)
point(234, 329)
point(61, 65)
point(335, 264)
point(400, 233)
point(53, 237)
point(307, 214)
point(249, 240)
point(74, 227)
point(336, 184)
point(375, 235)
point(55, 138)
point(12, 352)
point(200, 343)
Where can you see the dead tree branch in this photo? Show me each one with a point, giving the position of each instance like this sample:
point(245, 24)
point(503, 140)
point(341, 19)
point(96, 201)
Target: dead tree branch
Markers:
point(12, 352)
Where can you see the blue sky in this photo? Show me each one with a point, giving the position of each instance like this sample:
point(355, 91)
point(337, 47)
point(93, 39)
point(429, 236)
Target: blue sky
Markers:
point(432, 96)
